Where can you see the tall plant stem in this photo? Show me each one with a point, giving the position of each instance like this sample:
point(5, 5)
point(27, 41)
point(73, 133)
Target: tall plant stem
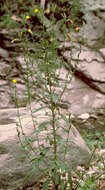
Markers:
point(54, 131)
point(52, 108)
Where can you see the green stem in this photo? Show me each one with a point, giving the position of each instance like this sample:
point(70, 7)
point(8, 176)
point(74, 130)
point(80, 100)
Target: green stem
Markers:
point(53, 116)
point(54, 132)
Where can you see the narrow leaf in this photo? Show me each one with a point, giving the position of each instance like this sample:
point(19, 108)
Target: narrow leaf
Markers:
point(54, 97)
point(64, 118)
point(36, 110)
point(42, 126)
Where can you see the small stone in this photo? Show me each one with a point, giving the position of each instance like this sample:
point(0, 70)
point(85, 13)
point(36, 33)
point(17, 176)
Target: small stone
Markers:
point(84, 116)
point(72, 116)
point(99, 96)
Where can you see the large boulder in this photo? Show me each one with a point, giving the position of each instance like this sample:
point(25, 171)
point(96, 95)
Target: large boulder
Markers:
point(14, 162)
point(88, 64)
point(94, 16)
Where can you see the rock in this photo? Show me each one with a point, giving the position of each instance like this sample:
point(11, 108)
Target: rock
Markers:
point(94, 19)
point(5, 99)
point(4, 53)
point(9, 115)
point(90, 65)
point(15, 166)
point(98, 103)
point(4, 69)
point(84, 116)
point(103, 52)
point(94, 16)
point(101, 152)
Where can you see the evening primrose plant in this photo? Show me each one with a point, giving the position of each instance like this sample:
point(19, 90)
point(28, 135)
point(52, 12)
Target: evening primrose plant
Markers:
point(44, 86)
point(43, 67)
point(40, 31)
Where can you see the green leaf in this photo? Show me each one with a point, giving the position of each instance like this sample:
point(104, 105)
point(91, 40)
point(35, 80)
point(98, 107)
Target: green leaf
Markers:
point(45, 184)
point(56, 176)
point(64, 118)
point(62, 184)
point(42, 126)
point(54, 97)
point(44, 151)
point(63, 166)
point(36, 110)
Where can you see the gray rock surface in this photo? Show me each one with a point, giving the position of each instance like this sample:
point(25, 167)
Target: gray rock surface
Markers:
point(94, 15)
point(89, 65)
